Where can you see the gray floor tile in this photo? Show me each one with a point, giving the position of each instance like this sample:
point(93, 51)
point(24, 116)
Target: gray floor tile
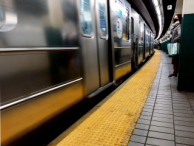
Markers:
point(145, 117)
point(163, 105)
point(162, 129)
point(147, 110)
point(139, 139)
point(163, 108)
point(182, 108)
point(164, 94)
point(177, 98)
point(150, 101)
point(184, 128)
point(180, 100)
point(183, 123)
point(161, 135)
point(182, 140)
point(164, 99)
point(159, 142)
point(142, 126)
point(151, 97)
point(143, 121)
point(186, 101)
point(148, 107)
point(140, 132)
point(162, 124)
point(160, 119)
point(181, 145)
point(184, 115)
point(183, 111)
point(146, 114)
point(163, 115)
point(134, 144)
point(149, 104)
point(184, 119)
point(184, 134)
point(181, 105)
point(163, 112)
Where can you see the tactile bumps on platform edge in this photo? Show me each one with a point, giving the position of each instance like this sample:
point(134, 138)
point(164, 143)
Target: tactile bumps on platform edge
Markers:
point(109, 125)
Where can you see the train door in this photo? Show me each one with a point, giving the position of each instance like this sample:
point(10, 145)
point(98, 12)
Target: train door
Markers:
point(133, 45)
point(150, 43)
point(134, 38)
point(120, 13)
point(146, 42)
point(88, 43)
point(102, 41)
point(94, 43)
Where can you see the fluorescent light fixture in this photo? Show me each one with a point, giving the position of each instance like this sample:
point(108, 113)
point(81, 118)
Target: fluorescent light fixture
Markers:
point(155, 3)
point(159, 13)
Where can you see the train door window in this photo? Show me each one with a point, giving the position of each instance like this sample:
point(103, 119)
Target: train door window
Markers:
point(132, 25)
point(102, 19)
point(127, 25)
point(1, 17)
point(86, 18)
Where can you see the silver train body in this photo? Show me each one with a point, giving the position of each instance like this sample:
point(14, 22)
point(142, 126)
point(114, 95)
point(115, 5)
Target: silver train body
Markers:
point(55, 53)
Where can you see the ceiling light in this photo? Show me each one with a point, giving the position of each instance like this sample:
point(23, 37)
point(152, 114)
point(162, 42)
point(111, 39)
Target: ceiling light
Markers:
point(169, 7)
point(155, 3)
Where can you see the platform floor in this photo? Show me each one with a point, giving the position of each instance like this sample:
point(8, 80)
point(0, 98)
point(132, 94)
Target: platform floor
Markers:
point(145, 110)
point(111, 121)
point(167, 118)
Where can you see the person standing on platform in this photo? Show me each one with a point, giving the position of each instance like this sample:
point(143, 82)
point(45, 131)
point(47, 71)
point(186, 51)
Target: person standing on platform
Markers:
point(176, 35)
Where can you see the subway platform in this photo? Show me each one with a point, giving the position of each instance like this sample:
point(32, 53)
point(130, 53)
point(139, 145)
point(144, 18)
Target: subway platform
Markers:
point(146, 110)
point(167, 118)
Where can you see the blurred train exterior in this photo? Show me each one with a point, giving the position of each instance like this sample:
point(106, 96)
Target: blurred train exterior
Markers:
point(54, 54)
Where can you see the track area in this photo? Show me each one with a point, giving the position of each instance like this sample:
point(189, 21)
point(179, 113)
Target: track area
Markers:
point(112, 120)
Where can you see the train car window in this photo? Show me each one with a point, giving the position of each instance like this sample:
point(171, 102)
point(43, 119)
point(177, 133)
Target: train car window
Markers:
point(102, 19)
point(1, 17)
point(86, 18)
point(127, 25)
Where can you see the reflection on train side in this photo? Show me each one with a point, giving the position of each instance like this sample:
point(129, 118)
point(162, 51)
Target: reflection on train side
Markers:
point(36, 23)
point(8, 19)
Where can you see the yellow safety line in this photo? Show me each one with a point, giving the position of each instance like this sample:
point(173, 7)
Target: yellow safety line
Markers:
point(112, 123)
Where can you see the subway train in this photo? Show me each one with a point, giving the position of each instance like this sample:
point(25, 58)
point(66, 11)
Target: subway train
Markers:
point(55, 53)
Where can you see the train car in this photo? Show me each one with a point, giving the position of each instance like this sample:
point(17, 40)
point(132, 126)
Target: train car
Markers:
point(141, 47)
point(54, 54)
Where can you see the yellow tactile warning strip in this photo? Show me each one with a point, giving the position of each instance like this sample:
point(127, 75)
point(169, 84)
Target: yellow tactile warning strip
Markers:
point(112, 123)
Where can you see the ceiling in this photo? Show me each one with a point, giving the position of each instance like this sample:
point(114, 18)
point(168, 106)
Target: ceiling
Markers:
point(147, 10)
point(168, 14)
point(139, 6)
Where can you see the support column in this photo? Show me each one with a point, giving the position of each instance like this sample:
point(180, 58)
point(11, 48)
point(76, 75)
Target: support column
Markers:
point(186, 63)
